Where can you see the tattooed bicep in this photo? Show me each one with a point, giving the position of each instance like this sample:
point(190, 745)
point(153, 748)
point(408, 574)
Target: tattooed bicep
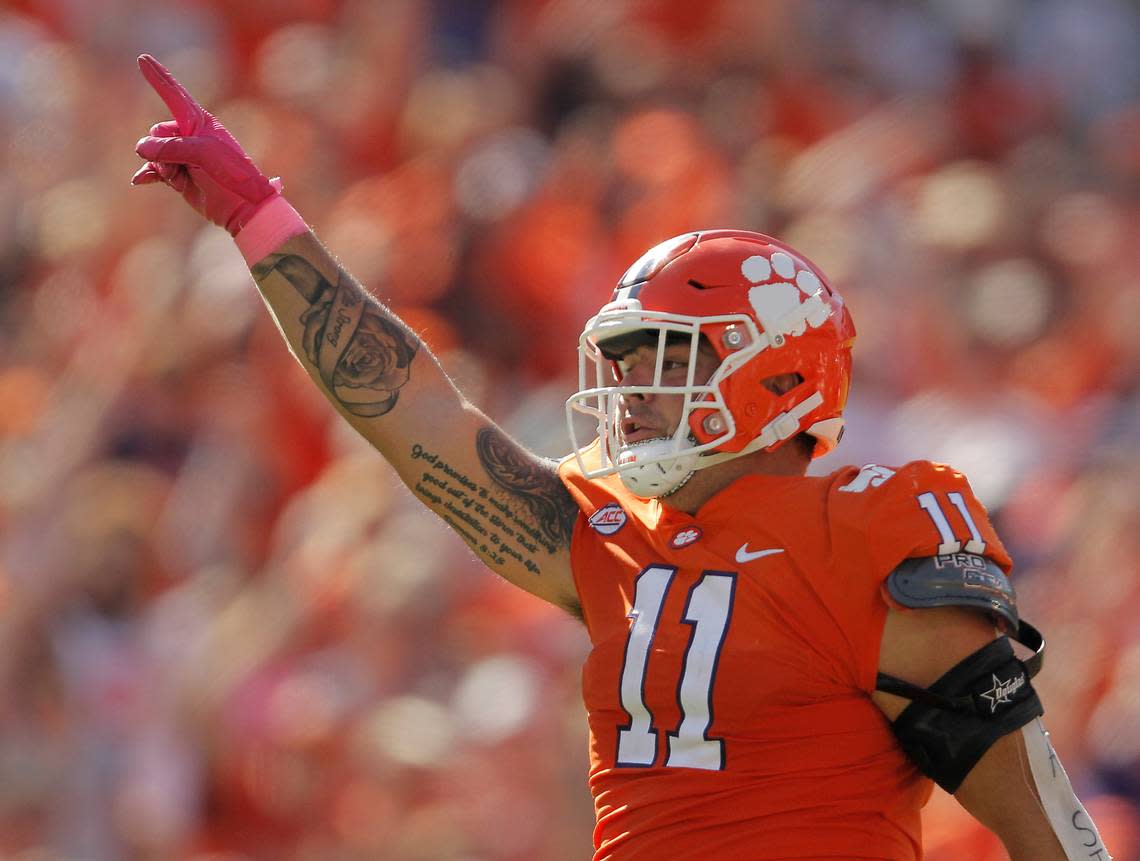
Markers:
point(532, 481)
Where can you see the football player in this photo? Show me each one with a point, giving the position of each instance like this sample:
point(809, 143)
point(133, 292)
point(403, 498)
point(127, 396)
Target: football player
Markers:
point(782, 664)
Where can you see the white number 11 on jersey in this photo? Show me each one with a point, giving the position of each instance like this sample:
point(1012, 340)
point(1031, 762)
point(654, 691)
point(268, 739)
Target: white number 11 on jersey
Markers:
point(707, 610)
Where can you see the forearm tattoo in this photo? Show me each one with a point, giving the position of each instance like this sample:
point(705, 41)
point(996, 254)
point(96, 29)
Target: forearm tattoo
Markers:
point(363, 356)
point(522, 513)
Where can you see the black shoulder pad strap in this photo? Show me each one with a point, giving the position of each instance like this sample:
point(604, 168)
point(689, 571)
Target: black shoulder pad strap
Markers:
point(954, 580)
point(1026, 634)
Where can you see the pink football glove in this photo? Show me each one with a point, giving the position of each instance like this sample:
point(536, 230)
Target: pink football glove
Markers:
point(198, 158)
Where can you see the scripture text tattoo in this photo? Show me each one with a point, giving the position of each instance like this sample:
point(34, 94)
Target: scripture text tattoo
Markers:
point(523, 512)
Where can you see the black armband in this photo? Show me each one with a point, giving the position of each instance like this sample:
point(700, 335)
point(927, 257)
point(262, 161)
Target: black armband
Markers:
point(949, 726)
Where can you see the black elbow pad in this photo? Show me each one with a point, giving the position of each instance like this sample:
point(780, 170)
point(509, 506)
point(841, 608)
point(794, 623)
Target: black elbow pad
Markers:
point(949, 726)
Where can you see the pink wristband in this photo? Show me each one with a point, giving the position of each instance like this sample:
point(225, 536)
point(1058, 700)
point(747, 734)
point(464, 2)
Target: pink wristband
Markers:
point(270, 226)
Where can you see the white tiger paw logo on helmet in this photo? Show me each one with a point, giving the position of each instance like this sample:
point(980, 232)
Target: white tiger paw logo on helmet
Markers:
point(778, 295)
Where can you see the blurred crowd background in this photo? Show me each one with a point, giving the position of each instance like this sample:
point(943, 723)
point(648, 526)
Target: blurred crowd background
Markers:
point(228, 634)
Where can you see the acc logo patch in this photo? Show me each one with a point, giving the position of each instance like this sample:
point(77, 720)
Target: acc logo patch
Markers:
point(609, 518)
point(685, 537)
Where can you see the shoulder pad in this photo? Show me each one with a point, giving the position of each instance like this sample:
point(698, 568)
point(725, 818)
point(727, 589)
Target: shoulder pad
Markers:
point(954, 580)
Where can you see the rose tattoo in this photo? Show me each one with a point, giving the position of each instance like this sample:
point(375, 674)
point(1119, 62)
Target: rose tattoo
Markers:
point(363, 358)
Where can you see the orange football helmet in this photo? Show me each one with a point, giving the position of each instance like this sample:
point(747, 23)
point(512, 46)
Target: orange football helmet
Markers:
point(764, 309)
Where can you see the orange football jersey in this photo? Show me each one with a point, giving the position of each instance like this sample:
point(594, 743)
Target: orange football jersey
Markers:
point(734, 652)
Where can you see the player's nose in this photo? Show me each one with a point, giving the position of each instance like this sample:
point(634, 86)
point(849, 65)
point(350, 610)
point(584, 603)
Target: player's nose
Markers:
point(641, 374)
point(632, 380)
point(628, 401)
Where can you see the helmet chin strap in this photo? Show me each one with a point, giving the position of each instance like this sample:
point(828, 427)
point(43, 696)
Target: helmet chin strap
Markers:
point(665, 474)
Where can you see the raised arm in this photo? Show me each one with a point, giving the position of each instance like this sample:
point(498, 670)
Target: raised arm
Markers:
point(506, 503)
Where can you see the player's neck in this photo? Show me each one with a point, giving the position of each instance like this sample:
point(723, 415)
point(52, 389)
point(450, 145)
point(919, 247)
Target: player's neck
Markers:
point(707, 483)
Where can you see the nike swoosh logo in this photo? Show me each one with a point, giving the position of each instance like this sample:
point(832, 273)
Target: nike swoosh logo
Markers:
point(746, 555)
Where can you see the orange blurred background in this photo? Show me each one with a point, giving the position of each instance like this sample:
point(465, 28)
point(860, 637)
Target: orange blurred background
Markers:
point(227, 633)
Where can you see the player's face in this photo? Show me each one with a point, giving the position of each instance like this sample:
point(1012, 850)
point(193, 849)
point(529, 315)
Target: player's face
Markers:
point(650, 415)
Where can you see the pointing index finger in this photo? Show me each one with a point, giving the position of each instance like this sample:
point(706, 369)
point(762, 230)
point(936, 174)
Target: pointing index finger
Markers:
point(187, 112)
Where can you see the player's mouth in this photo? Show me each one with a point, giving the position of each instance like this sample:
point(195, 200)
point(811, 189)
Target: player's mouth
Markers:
point(633, 430)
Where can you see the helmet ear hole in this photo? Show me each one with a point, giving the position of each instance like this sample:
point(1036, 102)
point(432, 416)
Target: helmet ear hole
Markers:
point(781, 384)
